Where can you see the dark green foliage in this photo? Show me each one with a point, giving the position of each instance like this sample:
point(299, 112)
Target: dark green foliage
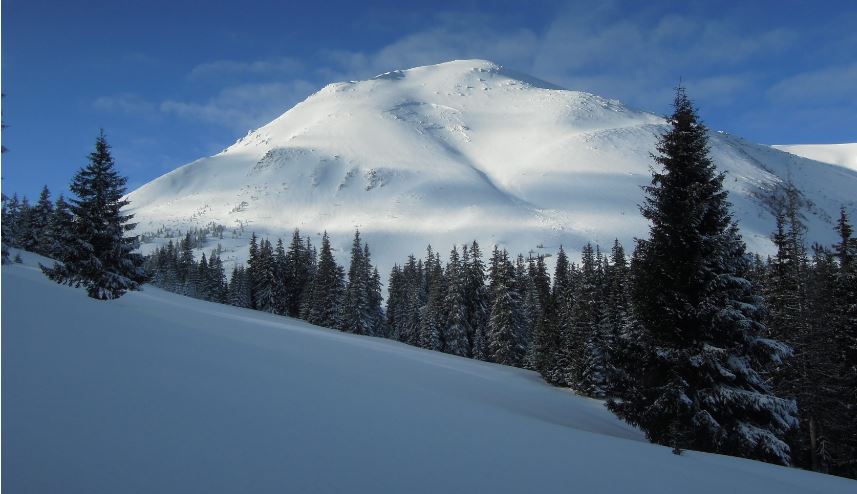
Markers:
point(699, 385)
point(100, 257)
point(455, 328)
point(504, 325)
point(324, 304)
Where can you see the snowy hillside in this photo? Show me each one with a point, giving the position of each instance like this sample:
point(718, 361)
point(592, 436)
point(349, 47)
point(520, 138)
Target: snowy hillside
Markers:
point(156, 392)
point(467, 149)
point(838, 154)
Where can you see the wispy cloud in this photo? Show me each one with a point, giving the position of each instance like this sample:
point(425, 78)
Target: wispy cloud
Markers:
point(450, 37)
point(265, 67)
point(242, 107)
point(589, 46)
point(837, 84)
point(126, 103)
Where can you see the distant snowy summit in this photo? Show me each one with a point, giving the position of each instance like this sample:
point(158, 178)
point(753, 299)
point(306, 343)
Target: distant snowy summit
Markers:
point(463, 150)
point(838, 154)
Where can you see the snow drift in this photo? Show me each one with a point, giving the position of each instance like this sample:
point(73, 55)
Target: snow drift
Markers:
point(156, 392)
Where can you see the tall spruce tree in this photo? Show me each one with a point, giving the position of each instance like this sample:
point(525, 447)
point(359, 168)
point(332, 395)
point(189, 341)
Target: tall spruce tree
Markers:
point(583, 320)
point(297, 274)
point(253, 269)
point(432, 313)
point(60, 229)
point(325, 301)
point(101, 257)
point(698, 384)
point(503, 335)
point(477, 302)
point(40, 222)
point(455, 328)
point(845, 294)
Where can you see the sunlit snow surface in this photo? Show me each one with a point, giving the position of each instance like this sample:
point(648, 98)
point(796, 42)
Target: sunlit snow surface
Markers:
point(464, 150)
point(155, 392)
point(838, 154)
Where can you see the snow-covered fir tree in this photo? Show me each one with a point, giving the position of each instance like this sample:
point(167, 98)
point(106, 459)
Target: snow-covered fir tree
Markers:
point(298, 267)
point(699, 385)
point(477, 301)
point(432, 313)
point(584, 321)
point(504, 326)
point(356, 312)
point(455, 328)
point(100, 256)
point(239, 287)
point(324, 305)
point(40, 220)
point(60, 229)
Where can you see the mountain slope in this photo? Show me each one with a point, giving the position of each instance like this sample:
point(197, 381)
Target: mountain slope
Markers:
point(447, 153)
point(155, 392)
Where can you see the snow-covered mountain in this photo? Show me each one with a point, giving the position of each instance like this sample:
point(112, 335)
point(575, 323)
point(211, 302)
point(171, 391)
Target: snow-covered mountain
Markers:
point(155, 392)
point(467, 149)
point(838, 154)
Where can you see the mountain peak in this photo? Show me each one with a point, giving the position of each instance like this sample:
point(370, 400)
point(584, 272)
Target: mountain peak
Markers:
point(462, 70)
point(452, 67)
point(446, 153)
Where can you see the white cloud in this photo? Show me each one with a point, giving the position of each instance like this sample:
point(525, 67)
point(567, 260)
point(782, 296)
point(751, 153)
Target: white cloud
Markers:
point(591, 46)
point(127, 103)
point(837, 84)
point(242, 107)
point(265, 67)
point(452, 37)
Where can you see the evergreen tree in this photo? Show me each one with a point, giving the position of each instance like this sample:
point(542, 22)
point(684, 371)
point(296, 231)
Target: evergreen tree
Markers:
point(202, 289)
point(396, 300)
point(4, 229)
point(24, 234)
point(621, 341)
point(357, 318)
point(582, 318)
point(101, 258)
point(280, 279)
point(11, 220)
point(378, 323)
point(455, 330)
point(698, 384)
point(187, 272)
point(325, 302)
point(432, 314)
point(265, 277)
point(503, 335)
point(541, 349)
point(414, 297)
point(218, 288)
point(297, 276)
point(40, 222)
point(845, 297)
point(253, 270)
point(60, 229)
point(239, 288)
point(587, 367)
point(477, 302)
point(562, 321)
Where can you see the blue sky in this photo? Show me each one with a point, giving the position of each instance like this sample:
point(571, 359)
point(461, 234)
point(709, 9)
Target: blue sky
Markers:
point(174, 81)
